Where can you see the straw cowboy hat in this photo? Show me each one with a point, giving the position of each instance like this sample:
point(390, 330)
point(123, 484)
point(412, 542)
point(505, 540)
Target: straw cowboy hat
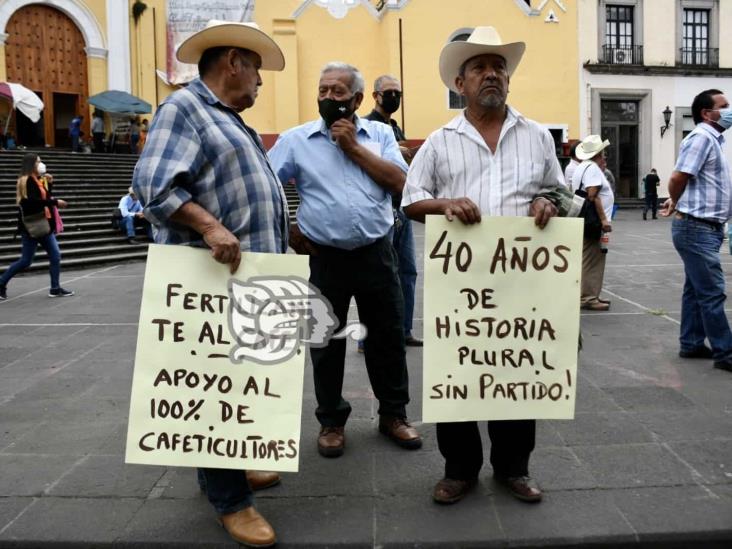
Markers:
point(234, 35)
point(590, 147)
point(482, 40)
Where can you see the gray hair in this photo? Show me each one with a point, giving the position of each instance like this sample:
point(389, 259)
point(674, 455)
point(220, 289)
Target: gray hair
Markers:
point(357, 82)
point(383, 79)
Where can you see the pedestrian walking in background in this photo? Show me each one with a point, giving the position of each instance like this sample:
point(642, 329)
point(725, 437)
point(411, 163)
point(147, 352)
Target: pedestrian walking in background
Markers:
point(75, 133)
point(134, 135)
point(572, 165)
point(38, 222)
point(97, 130)
point(700, 191)
point(650, 184)
point(589, 178)
point(144, 128)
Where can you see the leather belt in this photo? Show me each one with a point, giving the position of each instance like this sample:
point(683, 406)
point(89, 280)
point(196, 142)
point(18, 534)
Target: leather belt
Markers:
point(715, 224)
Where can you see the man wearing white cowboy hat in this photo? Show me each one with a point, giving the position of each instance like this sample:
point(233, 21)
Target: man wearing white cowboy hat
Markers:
point(589, 177)
point(489, 160)
point(205, 181)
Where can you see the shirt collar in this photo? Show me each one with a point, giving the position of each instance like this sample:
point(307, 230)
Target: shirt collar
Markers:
point(198, 87)
point(318, 126)
point(460, 123)
point(711, 130)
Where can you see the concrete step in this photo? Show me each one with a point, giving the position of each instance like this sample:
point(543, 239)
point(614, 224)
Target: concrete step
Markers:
point(135, 253)
point(68, 244)
point(8, 258)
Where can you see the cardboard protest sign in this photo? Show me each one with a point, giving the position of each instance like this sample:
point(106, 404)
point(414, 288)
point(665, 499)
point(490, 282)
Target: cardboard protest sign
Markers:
point(501, 319)
point(220, 358)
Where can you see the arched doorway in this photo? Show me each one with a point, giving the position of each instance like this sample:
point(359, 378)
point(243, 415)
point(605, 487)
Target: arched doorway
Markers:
point(44, 51)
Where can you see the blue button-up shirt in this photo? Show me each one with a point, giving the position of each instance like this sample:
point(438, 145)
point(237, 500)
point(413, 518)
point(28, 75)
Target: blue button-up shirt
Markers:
point(128, 206)
point(708, 193)
point(200, 150)
point(340, 205)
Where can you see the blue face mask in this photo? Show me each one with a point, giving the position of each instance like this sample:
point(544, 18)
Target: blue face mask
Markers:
point(725, 118)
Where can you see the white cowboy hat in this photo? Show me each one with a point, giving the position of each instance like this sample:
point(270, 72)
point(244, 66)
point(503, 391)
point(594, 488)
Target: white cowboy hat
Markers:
point(235, 35)
point(590, 147)
point(481, 41)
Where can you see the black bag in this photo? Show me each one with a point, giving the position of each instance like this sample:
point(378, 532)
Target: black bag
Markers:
point(593, 225)
point(116, 219)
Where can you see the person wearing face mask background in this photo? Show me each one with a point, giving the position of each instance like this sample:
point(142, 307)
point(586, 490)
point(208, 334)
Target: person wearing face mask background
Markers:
point(34, 196)
point(387, 96)
point(346, 169)
point(700, 199)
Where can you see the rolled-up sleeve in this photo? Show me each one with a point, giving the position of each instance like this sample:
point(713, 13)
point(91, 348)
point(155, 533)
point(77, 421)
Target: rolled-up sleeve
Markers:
point(169, 164)
point(421, 181)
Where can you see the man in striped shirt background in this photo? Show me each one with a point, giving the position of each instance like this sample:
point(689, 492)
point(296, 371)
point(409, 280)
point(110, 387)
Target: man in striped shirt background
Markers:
point(700, 192)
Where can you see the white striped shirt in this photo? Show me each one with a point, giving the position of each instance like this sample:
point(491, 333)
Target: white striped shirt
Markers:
point(456, 162)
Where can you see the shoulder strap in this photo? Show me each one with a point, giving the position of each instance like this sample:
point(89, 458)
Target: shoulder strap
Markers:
point(583, 177)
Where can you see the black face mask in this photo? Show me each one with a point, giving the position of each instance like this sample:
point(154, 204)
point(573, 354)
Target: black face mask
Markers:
point(332, 110)
point(390, 101)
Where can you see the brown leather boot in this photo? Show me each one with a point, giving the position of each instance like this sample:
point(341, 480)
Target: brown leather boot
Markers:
point(400, 431)
point(331, 441)
point(259, 480)
point(249, 528)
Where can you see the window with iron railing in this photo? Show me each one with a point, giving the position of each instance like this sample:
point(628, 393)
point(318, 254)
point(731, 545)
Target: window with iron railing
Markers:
point(695, 45)
point(620, 47)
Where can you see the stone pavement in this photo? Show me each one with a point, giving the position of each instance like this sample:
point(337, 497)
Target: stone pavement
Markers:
point(647, 461)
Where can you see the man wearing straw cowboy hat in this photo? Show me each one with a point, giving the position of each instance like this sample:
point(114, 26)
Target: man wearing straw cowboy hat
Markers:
point(589, 177)
point(205, 181)
point(489, 160)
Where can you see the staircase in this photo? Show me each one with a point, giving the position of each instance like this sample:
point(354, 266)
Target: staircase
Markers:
point(92, 184)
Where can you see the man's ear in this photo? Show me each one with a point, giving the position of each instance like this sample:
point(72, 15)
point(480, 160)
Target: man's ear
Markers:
point(232, 60)
point(459, 84)
point(375, 95)
point(359, 99)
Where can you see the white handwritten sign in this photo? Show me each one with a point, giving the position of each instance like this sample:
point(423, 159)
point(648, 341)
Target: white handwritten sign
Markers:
point(501, 319)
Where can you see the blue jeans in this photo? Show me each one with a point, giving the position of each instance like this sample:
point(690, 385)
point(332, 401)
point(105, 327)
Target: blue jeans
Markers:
point(227, 489)
point(134, 140)
point(130, 222)
point(26, 258)
point(75, 143)
point(404, 245)
point(702, 304)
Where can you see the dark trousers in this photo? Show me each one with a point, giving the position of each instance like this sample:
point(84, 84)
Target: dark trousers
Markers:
point(370, 275)
point(651, 204)
point(511, 445)
point(227, 489)
point(98, 142)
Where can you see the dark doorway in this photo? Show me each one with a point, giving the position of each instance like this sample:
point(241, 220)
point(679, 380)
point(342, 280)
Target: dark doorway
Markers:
point(64, 109)
point(620, 125)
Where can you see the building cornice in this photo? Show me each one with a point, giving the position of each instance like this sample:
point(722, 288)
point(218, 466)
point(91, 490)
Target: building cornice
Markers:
point(657, 70)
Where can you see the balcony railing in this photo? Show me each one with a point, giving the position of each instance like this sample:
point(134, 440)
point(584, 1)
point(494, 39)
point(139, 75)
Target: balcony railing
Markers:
point(708, 57)
point(630, 55)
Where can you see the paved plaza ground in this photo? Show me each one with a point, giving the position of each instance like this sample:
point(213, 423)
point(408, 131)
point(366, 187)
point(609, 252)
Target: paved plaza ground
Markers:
point(646, 462)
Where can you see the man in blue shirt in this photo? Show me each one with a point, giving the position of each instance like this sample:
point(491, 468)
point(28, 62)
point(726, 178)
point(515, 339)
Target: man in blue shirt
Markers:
point(205, 181)
point(131, 211)
point(700, 192)
point(346, 169)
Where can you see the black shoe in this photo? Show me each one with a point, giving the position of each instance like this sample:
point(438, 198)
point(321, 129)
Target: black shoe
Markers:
point(59, 292)
point(644, 217)
point(723, 365)
point(3, 293)
point(701, 352)
point(132, 241)
point(654, 217)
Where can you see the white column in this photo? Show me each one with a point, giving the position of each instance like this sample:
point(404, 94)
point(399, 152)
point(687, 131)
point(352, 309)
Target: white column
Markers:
point(118, 38)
